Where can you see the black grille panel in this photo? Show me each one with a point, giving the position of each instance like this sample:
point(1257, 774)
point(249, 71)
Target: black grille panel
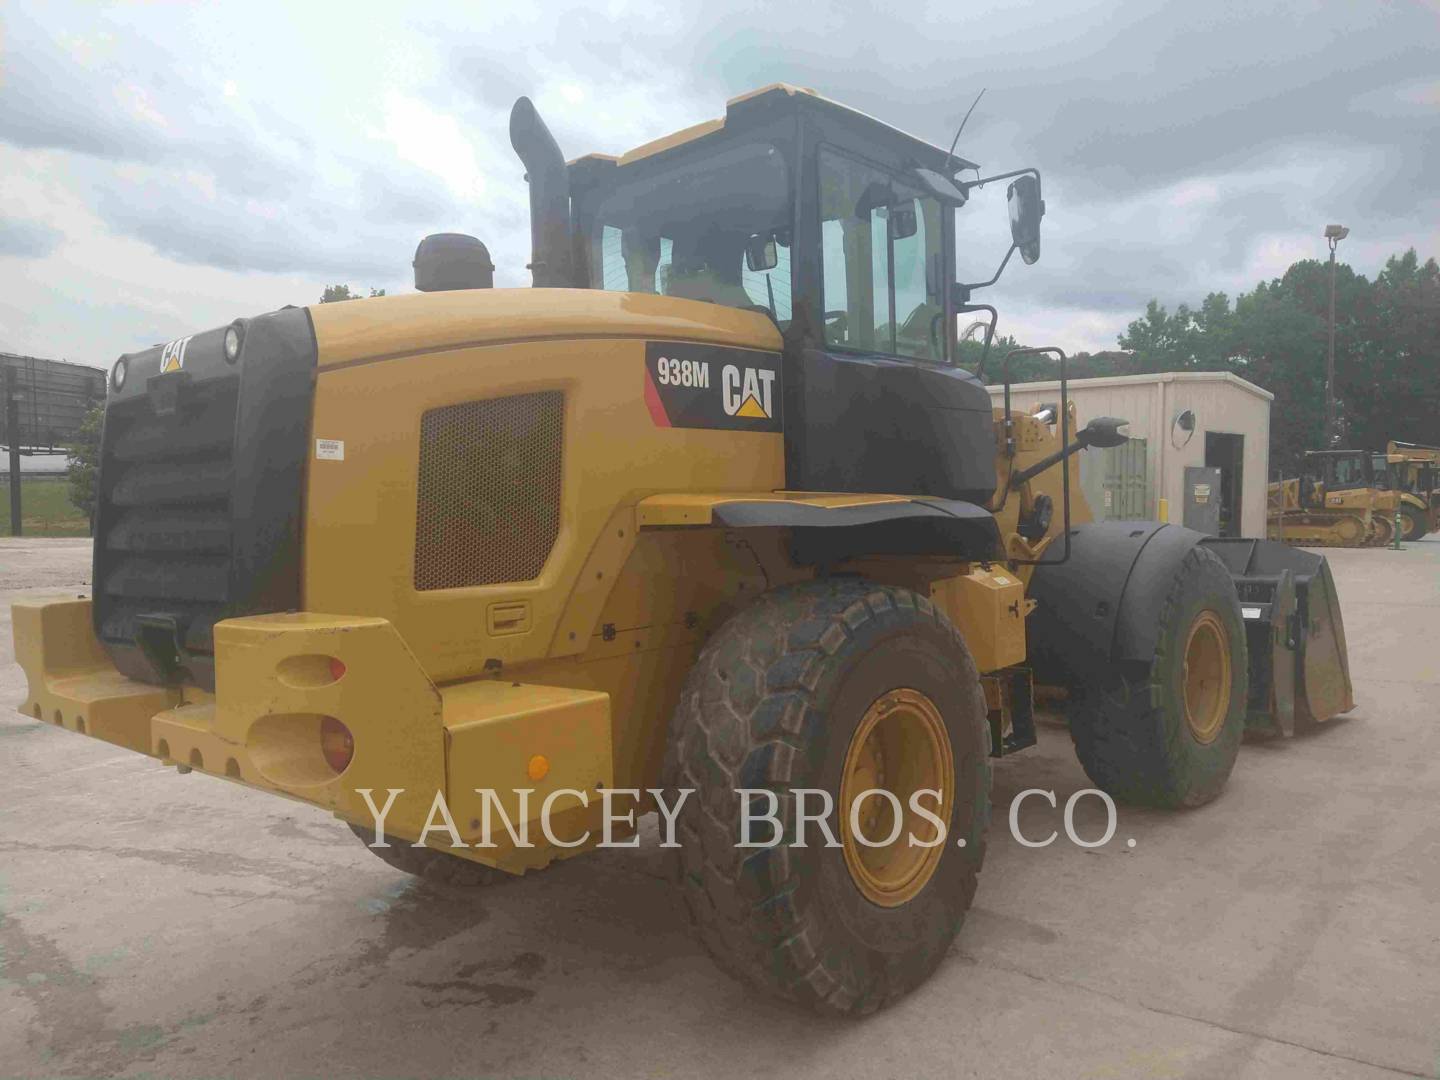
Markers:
point(165, 522)
point(201, 476)
point(172, 483)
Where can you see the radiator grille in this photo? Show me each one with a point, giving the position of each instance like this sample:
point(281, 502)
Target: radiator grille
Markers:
point(489, 490)
point(164, 523)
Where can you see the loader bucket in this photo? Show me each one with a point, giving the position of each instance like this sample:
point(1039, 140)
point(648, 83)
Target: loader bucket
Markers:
point(1299, 666)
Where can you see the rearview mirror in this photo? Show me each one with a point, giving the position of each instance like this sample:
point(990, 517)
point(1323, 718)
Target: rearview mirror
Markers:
point(760, 253)
point(1026, 210)
point(1103, 432)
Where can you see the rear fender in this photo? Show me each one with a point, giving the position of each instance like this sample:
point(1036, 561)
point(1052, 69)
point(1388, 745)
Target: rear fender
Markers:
point(1102, 604)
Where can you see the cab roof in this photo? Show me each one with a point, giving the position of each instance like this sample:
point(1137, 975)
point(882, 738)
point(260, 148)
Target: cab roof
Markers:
point(764, 104)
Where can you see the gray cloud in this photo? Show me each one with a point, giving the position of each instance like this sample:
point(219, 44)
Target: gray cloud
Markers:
point(1335, 104)
point(1180, 143)
point(229, 233)
point(28, 239)
point(129, 111)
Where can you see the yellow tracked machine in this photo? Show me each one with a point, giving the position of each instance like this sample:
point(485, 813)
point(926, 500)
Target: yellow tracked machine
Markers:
point(709, 515)
point(1339, 499)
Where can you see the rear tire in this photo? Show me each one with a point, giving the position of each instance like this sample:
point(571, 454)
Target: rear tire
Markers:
point(1413, 522)
point(439, 867)
point(780, 699)
point(1167, 733)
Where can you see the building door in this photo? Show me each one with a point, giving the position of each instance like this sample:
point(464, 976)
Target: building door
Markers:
point(1126, 490)
point(1115, 482)
point(1227, 453)
point(1202, 499)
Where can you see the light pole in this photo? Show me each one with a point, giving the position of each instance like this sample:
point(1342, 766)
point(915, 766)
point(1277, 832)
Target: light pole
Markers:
point(1333, 234)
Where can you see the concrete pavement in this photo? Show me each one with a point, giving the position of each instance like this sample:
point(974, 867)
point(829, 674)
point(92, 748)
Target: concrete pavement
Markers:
point(157, 924)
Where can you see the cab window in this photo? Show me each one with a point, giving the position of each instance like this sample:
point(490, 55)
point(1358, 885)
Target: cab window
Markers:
point(715, 229)
point(1346, 472)
point(880, 246)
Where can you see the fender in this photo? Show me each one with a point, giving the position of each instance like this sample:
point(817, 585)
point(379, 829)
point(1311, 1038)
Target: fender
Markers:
point(832, 528)
point(1102, 604)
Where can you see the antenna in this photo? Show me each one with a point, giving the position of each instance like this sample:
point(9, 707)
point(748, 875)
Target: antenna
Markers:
point(955, 141)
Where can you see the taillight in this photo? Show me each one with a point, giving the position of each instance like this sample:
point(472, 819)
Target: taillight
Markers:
point(337, 668)
point(336, 743)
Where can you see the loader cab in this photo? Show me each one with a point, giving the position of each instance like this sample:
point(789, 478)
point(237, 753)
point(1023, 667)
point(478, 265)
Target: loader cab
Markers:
point(840, 230)
point(1335, 472)
point(791, 206)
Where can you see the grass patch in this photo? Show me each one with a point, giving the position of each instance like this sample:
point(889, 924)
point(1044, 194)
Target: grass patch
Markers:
point(45, 508)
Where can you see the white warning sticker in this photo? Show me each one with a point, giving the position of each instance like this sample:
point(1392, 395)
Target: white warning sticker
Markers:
point(329, 449)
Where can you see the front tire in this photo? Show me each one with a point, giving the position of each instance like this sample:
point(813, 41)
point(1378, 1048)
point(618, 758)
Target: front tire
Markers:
point(1167, 733)
point(839, 685)
point(1412, 520)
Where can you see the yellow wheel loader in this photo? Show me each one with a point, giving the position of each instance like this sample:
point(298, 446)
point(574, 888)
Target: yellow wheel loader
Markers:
point(709, 522)
point(1413, 472)
point(1338, 500)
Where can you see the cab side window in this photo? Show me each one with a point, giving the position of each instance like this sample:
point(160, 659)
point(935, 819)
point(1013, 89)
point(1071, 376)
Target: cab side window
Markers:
point(880, 246)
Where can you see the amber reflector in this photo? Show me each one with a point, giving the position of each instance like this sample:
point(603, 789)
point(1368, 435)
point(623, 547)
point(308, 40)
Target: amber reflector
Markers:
point(336, 743)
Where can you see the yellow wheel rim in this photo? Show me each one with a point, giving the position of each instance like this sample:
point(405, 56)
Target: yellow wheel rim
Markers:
point(1206, 677)
point(901, 746)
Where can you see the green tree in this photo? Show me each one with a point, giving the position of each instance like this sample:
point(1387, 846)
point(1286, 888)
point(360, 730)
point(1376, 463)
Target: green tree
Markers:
point(1189, 340)
point(1391, 383)
point(1022, 368)
point(82, 459)
point(335, 293)
point(1387, 350)
point(1280, 347)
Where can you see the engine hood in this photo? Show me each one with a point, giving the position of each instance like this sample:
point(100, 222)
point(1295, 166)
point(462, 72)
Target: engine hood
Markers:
point(388, 327)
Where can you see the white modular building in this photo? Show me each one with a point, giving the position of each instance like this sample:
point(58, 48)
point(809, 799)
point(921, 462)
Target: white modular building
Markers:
point(1199, 441)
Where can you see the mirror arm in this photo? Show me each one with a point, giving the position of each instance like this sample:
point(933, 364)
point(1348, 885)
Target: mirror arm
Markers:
point(966, 185)
point(968, 288)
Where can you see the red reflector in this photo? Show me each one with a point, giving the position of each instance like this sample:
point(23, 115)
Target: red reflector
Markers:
point(337, 668)
point(336, 743)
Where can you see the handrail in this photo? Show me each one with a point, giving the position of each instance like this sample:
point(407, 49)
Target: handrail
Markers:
point(1064, 444)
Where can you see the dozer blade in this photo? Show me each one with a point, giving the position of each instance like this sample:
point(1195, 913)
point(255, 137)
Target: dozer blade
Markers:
point(1299, 666)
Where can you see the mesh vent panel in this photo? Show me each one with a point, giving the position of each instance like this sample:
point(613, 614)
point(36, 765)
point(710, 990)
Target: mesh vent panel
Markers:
point(489, 500)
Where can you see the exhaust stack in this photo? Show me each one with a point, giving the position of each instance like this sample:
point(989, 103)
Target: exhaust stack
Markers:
point(550, 245)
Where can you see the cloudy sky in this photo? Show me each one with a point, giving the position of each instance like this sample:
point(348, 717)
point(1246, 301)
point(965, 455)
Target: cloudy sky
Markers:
point(169, 167)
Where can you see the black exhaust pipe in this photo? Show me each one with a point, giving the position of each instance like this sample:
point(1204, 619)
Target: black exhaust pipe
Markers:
point(550, 246)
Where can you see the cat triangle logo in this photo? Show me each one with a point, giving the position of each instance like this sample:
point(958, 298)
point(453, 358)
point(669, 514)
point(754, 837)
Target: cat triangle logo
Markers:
point(752, 408)
point(748, 392)
point(172, 356)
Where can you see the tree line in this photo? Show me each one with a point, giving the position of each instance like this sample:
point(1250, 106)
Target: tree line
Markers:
point(1387, 352)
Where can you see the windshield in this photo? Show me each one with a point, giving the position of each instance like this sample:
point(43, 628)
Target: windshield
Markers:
point(1346, 472)
point(687, 231)
point(881, 240)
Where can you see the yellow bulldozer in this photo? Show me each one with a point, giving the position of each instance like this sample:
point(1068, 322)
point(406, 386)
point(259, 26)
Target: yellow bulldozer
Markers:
point(1412, 471)
point(1340, 499)
point(708, 522)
